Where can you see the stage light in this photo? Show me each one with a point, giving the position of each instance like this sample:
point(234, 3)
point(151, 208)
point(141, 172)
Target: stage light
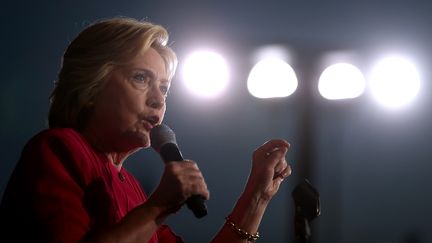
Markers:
point(205, 73)
point(341, 81)
point(270, 78)
point(394, 82)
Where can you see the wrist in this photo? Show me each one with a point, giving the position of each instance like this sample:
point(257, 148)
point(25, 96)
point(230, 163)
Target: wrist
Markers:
point(256, 196)
point(255, 200)
point(139, 224)
point(155, 210)
point(241, 233)
point(248, 212)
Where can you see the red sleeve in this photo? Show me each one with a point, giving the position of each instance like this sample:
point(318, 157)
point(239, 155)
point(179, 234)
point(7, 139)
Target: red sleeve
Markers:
point(166, 235)
point(45, 191)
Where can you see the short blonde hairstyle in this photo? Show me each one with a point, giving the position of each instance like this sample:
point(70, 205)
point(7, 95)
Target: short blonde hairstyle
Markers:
point(91, 57)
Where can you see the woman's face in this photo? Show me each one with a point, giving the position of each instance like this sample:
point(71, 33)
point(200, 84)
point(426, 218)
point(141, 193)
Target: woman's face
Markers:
point(131, 104)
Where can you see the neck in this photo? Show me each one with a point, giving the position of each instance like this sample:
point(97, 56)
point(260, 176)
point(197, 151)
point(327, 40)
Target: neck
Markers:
point(116, 159)
point(104, 146)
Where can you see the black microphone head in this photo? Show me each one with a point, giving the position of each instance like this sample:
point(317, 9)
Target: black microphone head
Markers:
point(161, 135)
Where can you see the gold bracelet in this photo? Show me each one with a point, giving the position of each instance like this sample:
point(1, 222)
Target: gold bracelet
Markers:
point(240, 232)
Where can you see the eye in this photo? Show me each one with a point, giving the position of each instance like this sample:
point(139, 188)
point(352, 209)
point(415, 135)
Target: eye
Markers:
point(164, 89)
point(141, 77)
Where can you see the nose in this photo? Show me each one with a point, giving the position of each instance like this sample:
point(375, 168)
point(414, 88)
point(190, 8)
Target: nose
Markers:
point(155, 98)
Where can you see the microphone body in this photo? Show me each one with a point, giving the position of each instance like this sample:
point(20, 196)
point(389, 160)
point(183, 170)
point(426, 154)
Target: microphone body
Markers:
point(164, 142)
point(307, 208)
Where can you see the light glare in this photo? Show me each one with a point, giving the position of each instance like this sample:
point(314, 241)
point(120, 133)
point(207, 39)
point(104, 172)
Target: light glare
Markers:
point(205, 73)
point(341, 81)
point(394, 82)
point(271, 78)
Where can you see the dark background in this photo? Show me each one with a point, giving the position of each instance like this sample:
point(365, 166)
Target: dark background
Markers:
point(371, 165)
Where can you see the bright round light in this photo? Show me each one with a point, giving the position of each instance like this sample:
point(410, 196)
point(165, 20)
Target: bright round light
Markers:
point(341, 81)
point(205, 73)
point(271, 78)
point(394, 82)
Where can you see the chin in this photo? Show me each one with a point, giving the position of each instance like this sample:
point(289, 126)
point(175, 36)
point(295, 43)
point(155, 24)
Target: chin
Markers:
point(143, 141)
point(146, 144)
point(137, 146)
point(138, 140)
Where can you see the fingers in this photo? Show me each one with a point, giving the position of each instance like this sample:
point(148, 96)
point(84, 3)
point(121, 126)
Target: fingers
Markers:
point(280, 166)
point(269, 159)
point(189, 178)
point(272, 153)
point(280, 177)
point(274, 143)
point(284, 173)
point(272, 150)
point(180, 180)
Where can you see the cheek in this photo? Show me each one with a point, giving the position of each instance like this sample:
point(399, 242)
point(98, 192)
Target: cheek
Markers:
point(163, 113)
point(122, 110)
point(131, 101)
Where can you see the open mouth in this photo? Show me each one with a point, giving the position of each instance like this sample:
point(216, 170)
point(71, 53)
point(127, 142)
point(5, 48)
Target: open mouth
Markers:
point(149, 122)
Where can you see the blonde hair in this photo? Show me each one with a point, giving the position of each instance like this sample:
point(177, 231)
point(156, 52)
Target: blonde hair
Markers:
point(92, 55)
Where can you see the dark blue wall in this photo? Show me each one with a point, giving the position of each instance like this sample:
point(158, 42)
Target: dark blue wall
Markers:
point(371, 166)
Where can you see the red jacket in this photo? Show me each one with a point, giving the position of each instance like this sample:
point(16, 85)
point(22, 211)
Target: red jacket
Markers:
point(62, 190)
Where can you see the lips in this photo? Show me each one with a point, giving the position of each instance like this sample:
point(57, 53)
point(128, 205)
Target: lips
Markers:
point(149, 122)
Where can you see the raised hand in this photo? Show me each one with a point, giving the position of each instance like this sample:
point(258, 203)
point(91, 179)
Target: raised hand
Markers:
point(269, 169)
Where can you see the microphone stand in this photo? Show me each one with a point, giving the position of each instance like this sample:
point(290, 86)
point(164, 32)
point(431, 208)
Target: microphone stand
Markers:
point(307, 208)
point(302, 229)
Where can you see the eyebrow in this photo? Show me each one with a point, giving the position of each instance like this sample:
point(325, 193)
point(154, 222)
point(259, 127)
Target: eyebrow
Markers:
point(152, 73)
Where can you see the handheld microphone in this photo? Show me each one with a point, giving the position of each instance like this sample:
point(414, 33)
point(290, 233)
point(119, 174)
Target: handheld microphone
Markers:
point(163, 140)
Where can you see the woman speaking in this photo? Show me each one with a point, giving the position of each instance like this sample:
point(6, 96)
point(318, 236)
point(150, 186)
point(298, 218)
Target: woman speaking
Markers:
point(70, 184)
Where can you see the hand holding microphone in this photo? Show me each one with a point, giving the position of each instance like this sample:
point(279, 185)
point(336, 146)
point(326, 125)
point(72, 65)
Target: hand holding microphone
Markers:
point(188, 175)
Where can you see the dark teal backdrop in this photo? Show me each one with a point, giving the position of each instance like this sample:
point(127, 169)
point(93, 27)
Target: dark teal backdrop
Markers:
point(372, 166)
